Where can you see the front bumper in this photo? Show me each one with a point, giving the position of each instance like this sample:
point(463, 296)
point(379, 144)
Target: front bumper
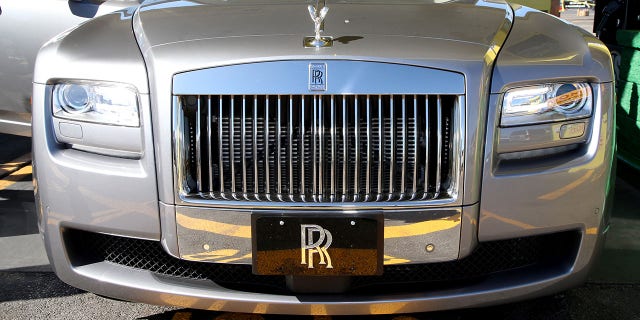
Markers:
point(125, 271)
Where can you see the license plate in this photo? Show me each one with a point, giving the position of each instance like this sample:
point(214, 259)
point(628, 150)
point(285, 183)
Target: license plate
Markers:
point(317, 245)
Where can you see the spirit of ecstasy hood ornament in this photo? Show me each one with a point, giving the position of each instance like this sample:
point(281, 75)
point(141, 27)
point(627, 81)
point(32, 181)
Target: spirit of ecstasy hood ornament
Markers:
point(317, 13)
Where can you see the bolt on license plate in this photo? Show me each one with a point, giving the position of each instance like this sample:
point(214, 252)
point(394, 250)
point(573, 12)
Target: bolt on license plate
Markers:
point(317, 245)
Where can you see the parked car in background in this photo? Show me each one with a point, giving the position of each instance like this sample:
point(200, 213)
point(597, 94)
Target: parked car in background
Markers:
point(26, 26)
point(298, 157)
point(582, 4)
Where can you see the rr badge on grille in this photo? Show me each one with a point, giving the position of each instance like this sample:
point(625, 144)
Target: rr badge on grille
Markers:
point(318, 76)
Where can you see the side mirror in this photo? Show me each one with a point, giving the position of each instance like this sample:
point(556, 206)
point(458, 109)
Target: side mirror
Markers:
point(82, 8)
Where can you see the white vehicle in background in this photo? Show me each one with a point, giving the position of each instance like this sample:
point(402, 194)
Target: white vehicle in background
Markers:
point(26, 25)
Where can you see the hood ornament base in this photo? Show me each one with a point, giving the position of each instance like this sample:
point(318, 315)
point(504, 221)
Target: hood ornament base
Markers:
point(318, 13)
point(313, 42)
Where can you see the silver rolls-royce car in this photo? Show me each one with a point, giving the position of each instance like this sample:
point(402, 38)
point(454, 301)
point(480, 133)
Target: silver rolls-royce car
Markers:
point(302, 157)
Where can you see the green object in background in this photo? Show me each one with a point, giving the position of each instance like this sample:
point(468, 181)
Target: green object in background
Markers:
point(628, 141)
point(628, 38)
point(628, 69)
point(627, 89)
point(628, 123)
point(542, 5)
point(628, 98)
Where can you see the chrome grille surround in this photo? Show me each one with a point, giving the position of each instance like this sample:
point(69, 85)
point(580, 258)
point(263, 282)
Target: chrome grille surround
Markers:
point(243, 160)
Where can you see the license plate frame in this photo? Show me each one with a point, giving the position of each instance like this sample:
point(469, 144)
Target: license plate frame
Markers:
point(356, 244)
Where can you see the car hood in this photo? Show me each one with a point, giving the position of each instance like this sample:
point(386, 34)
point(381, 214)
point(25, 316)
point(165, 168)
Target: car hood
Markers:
point(222, 32)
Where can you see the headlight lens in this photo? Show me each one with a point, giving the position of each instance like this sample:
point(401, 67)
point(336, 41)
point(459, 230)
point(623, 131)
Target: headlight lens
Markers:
point(105, 103)
point(546, 103)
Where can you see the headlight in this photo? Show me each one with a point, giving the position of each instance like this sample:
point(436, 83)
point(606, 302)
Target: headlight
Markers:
point(546, 103)
point(97, 102)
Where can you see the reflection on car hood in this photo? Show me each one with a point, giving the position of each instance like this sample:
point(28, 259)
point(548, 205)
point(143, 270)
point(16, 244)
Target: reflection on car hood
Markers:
point(470, 22)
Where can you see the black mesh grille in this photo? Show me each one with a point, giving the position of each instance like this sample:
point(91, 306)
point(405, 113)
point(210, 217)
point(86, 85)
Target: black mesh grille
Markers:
point(87, 247)
point(488, 258)
point(554, 250)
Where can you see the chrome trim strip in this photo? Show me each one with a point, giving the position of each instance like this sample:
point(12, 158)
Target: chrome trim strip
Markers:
point(181, 148)
point(406, 232)
point(347, 76)
point(311, 206)
point(459, 134)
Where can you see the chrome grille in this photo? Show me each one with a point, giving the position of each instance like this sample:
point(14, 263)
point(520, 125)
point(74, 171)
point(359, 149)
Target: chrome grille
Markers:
point(317, 148)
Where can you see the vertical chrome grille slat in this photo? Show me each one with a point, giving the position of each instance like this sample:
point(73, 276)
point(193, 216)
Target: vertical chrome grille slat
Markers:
point(267, 163)
point(345, 149)
point(290, 148)
point(245, 152)
point(403, 174)
point(380, 148)
point(439, 148)
point(232, 148)
point(220, 148)
point(314, 158)
point(243, 139)
point(367, 196)
point(302, 151)
point(321, 150)
point(427, 139)
point(416, 141)
point(392, 139)
point(356, 174)
point(209, 147)
point(333, 151)
point(279, 149)
point(256, 180)
point(198, 145)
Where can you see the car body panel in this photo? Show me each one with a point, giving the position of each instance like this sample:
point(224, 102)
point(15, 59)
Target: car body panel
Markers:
point(204, 20)
point(567, 53)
